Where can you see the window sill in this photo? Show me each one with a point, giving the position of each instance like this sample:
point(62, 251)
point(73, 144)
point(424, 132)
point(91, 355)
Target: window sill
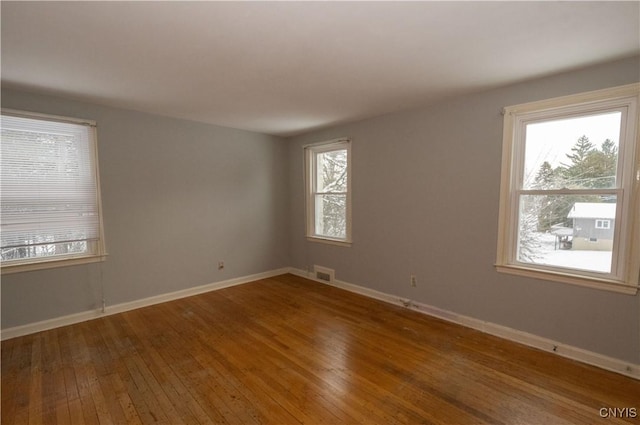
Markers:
point(329, 241)
point(588, 282)
point(51, 264)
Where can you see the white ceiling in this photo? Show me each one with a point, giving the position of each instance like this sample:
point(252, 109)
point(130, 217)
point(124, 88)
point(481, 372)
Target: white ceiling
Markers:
point(284, 68)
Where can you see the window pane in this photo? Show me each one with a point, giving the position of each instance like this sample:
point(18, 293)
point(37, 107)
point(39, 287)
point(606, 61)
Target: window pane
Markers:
point(575, 153)
point(567, 231)
point(331, 216)
point(331, 168)
point(49, 190)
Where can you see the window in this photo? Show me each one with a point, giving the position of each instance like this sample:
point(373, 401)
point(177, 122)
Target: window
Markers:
point(50, 199)
point(567, 204)
point(329, 191)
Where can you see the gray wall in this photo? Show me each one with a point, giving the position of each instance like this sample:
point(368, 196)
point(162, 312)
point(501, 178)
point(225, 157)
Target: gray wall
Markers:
point(425, 202)
point(177, 197)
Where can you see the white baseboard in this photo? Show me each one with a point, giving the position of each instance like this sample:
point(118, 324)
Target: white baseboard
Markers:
point(132, 305)
point(525, 338)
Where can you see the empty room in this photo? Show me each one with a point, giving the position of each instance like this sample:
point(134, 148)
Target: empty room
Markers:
point(320, 212)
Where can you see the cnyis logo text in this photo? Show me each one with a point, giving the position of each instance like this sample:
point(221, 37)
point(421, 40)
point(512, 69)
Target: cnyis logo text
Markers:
point(618, 412)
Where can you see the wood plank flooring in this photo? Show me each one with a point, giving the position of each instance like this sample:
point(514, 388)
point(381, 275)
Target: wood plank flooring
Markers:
point(288, 350)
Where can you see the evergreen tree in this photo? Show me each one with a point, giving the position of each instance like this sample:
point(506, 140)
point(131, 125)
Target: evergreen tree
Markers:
point(545, 177)
point(589, 168)
point(528, 236)
point(606, 166)
point(549, 208)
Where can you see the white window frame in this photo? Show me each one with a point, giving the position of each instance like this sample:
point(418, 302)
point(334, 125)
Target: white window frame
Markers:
point(310, 153)
point(626, 251)
point(603, 224)
point(99, 253)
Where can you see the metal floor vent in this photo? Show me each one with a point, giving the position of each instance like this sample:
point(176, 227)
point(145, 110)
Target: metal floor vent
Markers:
point(324, 274)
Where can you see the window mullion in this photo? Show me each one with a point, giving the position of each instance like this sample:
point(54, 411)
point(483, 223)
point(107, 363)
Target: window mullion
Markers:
point(569, 191)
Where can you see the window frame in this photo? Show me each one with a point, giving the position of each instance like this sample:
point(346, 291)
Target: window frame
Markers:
point(603, 224)
point(99, 254)
point(626, 254)
point(310, 153)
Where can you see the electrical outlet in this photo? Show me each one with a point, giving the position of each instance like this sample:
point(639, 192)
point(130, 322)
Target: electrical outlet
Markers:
point(413, 280)
point(220, 265)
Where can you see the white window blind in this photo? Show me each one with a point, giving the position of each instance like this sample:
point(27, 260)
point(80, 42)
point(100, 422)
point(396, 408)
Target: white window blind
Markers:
point(50, 198)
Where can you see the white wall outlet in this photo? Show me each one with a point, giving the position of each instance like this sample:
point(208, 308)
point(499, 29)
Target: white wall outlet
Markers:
point(220, 265)
point(413, 279)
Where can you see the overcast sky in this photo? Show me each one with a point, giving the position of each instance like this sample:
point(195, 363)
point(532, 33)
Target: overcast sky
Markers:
point(552, 140)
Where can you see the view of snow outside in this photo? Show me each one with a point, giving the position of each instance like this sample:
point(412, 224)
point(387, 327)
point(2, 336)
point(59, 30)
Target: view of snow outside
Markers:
point(549, 255)
point(578, 154)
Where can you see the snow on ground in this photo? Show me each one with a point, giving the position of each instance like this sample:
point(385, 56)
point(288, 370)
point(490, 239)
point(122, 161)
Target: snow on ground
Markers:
point(597, 261)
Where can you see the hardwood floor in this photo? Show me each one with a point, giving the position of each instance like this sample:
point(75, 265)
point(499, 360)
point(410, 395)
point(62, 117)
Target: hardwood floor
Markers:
point(288, 350)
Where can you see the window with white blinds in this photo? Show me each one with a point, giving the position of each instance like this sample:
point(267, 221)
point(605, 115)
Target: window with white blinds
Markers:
point(50, 198)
